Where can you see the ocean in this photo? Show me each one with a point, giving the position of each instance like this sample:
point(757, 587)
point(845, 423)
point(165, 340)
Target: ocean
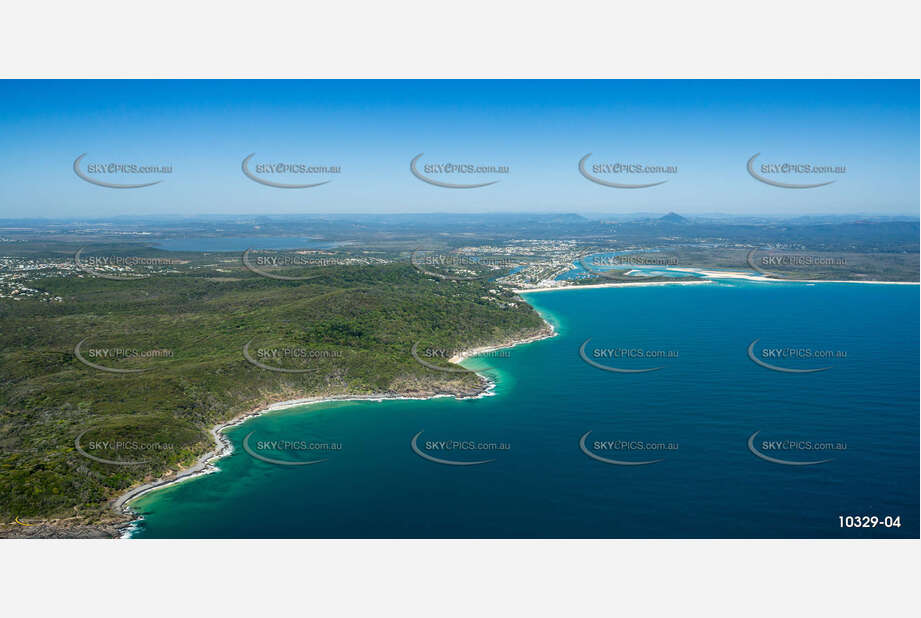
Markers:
point(697, 439)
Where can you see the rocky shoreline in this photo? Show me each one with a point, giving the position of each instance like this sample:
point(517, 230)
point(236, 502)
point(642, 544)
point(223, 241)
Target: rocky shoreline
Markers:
point(120, 518)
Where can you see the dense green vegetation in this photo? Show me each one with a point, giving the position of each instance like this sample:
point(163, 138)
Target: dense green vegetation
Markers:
point(361, 321)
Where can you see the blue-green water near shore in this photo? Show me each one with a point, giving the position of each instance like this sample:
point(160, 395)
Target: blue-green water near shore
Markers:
point(703, 405)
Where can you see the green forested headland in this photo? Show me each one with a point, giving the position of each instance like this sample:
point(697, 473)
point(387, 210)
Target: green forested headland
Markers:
point(177, 339)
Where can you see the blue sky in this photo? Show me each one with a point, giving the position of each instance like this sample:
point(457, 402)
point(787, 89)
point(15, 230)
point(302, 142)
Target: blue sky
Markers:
point(539, 129)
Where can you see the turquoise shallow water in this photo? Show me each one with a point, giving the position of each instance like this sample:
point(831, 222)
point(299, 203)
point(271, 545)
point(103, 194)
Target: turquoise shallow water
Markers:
point(597, 266)
point(706, 401)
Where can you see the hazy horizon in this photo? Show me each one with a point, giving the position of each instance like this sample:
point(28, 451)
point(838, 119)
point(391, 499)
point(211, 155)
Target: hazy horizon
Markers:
point(547, 213)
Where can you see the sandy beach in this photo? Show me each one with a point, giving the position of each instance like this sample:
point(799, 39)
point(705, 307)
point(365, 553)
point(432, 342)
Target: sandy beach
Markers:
point(223, 447)
point(710, 275)
point(609, 285)
point(729, 274)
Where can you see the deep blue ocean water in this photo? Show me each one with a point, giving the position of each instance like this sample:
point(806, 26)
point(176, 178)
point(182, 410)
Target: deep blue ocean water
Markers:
point(706, 401)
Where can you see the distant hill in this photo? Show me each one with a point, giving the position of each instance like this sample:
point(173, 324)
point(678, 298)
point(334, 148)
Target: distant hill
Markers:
point(673, 218)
